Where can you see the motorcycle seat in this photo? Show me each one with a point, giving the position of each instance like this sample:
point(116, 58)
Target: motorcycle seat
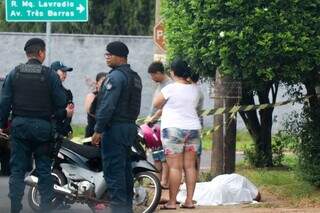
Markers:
point(89, 152)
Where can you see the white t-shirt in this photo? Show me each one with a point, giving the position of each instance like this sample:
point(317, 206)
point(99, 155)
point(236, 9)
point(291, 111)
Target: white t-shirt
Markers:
point(160, 86)
point(180, 109)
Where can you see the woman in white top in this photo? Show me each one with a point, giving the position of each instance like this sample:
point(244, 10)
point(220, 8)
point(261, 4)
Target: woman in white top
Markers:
point(180, 131)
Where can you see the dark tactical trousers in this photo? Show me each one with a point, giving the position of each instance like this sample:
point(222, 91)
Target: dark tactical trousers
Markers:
point(30, 137)
point(116, 145)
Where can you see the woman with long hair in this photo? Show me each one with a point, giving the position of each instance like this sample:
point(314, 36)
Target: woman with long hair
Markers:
point(180, 131)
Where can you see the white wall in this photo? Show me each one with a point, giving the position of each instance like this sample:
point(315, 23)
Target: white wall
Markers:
point(85, 53)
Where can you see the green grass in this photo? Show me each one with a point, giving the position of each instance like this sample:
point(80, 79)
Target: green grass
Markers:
point(78, 130)
point(243, 139)
point(283, 182)
point(206, 140)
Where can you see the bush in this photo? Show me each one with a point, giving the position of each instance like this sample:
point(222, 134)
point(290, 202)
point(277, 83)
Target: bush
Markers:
point(309, 148)
point(280, 142)
point(253, 157)
point(278, 146)
point(305, 127)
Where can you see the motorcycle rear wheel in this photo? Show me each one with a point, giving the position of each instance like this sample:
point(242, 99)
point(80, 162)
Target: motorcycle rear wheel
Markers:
point(147, 192)
point(34, 195)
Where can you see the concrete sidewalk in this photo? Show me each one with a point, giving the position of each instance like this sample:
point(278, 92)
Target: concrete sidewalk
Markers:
point(240, 209)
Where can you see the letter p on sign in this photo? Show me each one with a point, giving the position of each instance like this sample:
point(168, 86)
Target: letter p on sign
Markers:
point(158, 35)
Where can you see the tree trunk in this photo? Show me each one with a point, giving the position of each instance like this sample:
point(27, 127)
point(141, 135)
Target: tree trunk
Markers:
point(312, 90)
point(263, 144)
point(260, 129)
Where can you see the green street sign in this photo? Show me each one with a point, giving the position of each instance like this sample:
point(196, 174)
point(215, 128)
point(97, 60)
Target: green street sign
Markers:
point(47, 10)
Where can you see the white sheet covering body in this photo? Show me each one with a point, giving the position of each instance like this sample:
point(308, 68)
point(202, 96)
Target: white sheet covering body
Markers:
point(222, 190)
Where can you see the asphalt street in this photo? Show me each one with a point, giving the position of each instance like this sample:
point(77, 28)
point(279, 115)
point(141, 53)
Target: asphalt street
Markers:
point(76, 208)
point(5, 202)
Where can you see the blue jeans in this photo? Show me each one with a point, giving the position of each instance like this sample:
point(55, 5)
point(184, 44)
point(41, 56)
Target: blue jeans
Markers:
point(116, 145)
point(30, 137)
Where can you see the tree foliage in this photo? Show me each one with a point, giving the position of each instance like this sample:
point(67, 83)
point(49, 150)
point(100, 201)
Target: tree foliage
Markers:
point(269, 40)
point(260, 43)
point(117, 17)
point(305, 129)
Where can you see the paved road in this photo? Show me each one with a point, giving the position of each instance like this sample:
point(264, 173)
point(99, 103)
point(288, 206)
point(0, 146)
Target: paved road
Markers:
point(5, 202)
point(77, 208)
point(206, 159)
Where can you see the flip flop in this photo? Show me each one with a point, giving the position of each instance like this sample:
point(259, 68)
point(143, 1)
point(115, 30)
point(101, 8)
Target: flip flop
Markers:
point(163, 201)
point(182, 206)
point(164, 187)
point(165, 207)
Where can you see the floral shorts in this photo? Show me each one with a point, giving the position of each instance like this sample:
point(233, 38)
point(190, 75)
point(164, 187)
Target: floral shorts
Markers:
point(176, 141)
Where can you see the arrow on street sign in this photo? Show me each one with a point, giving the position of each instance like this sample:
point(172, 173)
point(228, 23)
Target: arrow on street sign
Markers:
point(81, 8)
point(47, 10)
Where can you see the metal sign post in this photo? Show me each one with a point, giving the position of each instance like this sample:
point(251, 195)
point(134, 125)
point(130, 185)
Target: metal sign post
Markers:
point(48, 38)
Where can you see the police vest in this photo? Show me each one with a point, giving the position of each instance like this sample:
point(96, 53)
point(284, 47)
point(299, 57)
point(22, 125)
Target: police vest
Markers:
point(130, 98)
point(31, 92)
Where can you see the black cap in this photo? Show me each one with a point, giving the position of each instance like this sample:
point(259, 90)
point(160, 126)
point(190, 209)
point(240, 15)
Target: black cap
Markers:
point(58, 65)
point(118, 48)
point(31, 43)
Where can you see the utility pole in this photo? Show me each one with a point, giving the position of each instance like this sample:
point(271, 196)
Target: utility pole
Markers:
point(227, 92)
point(218, 136)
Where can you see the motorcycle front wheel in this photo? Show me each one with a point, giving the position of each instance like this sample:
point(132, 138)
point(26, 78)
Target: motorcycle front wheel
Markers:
point(147, 192)
point(34, 195)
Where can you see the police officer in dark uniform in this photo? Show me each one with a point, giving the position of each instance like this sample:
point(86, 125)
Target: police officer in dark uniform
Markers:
point(32, 92)
point(64, 117)
point(118, 108)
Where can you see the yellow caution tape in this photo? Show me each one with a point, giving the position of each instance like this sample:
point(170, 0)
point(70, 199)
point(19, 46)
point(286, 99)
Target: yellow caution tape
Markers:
point(237, 108)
